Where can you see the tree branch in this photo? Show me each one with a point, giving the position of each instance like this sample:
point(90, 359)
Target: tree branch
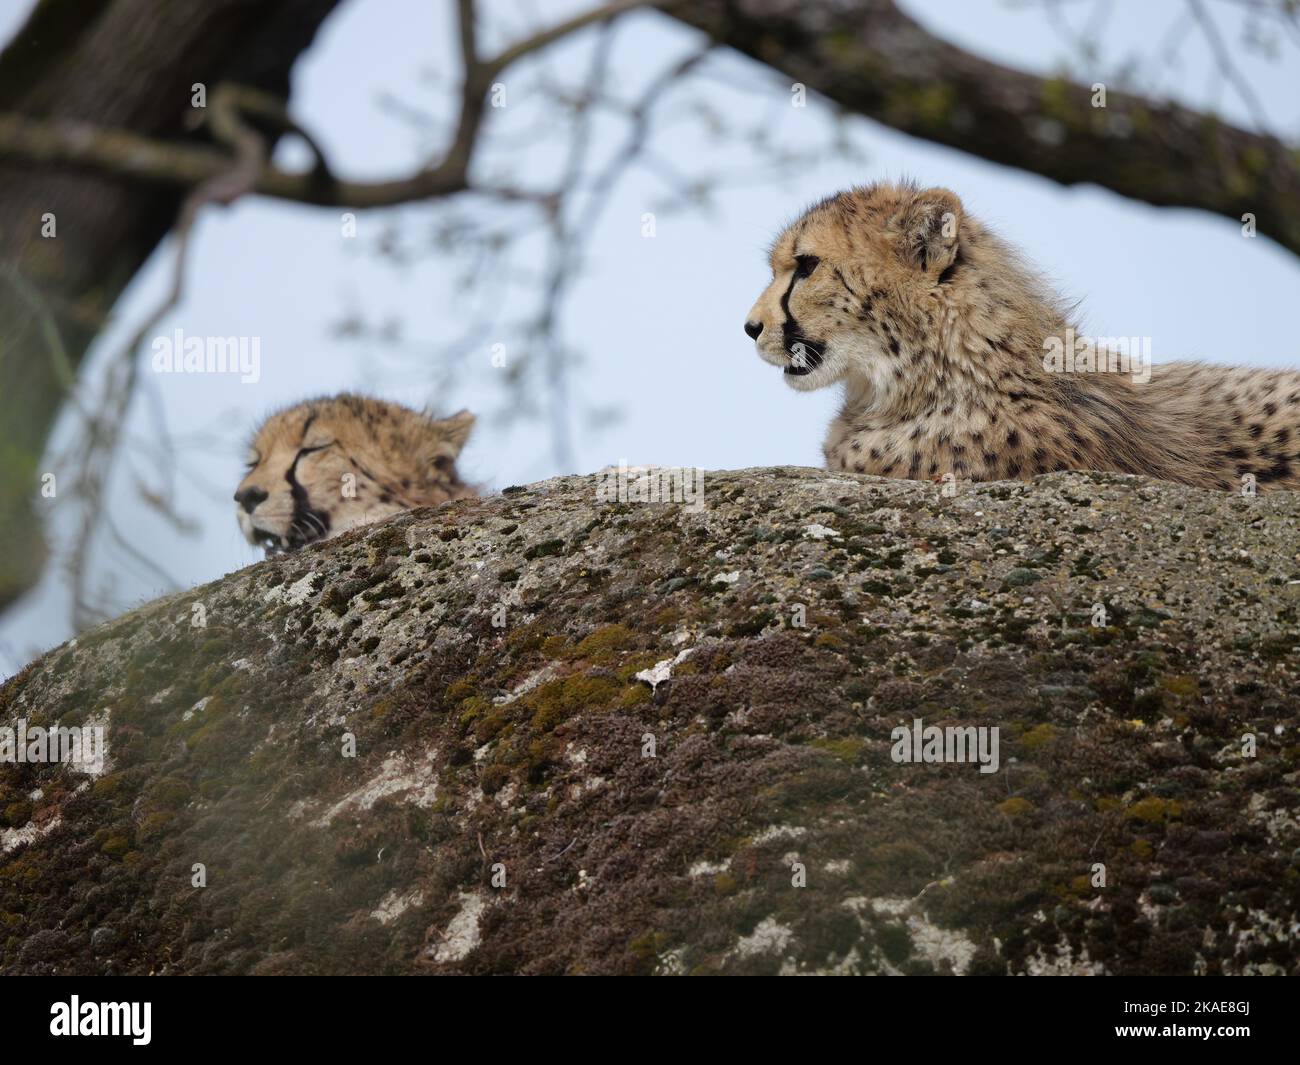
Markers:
point(129, 155)
point(137, 158)
point(873, 59)
point(549, 36)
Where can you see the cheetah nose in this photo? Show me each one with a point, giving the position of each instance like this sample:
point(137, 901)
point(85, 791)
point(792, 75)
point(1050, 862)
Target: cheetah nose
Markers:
point(753, 329)
point(249, 498)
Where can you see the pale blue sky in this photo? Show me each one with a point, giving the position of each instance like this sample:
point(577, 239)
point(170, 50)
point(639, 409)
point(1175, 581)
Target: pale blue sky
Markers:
point(659, 320)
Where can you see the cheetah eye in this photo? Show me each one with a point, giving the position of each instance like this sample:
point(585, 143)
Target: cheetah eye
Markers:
point(804, 265)
point(251, 462)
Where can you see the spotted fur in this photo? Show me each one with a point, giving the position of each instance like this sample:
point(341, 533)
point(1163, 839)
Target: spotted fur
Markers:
point(327, 465)
point(938, 332)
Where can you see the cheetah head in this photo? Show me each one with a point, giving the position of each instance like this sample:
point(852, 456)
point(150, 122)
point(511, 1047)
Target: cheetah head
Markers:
point(854, 284)
point(324, 466)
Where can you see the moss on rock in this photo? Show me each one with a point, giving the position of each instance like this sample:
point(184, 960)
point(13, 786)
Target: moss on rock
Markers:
point(437, 723)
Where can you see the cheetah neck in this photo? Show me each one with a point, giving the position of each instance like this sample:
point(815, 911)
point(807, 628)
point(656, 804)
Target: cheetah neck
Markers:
point(970, 396)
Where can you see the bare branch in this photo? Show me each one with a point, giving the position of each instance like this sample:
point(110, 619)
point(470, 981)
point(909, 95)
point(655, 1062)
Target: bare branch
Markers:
point(581, 21)
point(96, 449)
point(874, 59)
point(130, 155)
point(1229, 69)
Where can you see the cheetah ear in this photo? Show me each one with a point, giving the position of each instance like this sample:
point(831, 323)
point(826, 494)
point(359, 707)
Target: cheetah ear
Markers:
point(449, 436)
point(929, 226)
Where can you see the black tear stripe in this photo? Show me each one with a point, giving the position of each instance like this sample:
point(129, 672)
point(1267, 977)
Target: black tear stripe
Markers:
point(785, 299)
point(792, 334)
point(307, 523)
point(790, 331)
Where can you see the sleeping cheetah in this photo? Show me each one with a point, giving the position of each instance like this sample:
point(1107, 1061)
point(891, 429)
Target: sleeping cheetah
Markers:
point(327, 465)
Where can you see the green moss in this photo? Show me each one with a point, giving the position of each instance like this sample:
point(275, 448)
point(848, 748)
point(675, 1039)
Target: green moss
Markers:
point(929, 106)
point(1154, 810)
point(115, 846)
point(1149, 705)
point(491, 724)
point(460, 689)
point(1038, 736)
point(1015, 807)
point(848, 749)
point(170, 793)
point(493, 778)
point(1181, 685)
point(667, 616)
point(558, 700)
point(554, 646)
point(476, 706)
point(155, 825)
point(603, 644)
point(645, 950)
point(634, 696)
point(526, 639)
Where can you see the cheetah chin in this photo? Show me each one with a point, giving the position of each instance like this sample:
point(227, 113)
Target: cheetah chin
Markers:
point(806, 356)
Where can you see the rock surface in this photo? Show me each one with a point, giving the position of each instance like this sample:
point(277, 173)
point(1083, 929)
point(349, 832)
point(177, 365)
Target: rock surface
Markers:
point(639, 738)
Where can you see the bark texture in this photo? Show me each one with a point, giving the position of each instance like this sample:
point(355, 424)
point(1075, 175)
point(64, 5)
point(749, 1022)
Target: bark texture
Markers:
point(872, 59)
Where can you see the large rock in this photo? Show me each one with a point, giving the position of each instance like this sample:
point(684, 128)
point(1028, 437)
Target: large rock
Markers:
point(667, 827)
